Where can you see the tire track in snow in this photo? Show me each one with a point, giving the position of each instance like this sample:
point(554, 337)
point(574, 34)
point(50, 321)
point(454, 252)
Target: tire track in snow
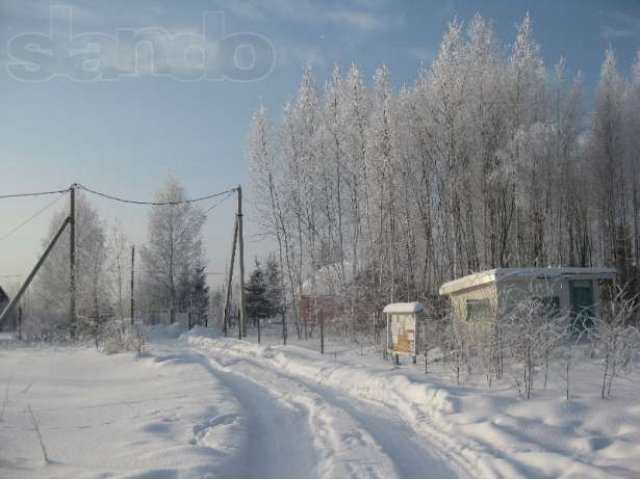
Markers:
point(341, 447)
point(465, 456)
point(275, 444)
point(393, 436)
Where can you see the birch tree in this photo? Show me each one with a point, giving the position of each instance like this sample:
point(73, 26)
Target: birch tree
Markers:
point(51, 288)
point(173, 249)
point(605, 153)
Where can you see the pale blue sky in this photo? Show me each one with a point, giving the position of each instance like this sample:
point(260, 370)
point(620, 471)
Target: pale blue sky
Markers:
point(124, 135)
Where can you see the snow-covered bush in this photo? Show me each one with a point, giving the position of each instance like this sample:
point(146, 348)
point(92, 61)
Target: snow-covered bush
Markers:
point(530, 333)
point(457, 344)
point(616, 336)
point(121, 336)
point(43, 326)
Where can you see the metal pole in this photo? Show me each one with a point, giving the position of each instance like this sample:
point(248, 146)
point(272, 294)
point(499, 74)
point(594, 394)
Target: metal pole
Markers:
point(9, 308)
point(229, 280)
point(133, 263)
point(243, 325)
point(72, 260)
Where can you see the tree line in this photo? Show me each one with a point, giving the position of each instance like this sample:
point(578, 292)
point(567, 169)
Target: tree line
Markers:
point(170, 277)
point(491, 159)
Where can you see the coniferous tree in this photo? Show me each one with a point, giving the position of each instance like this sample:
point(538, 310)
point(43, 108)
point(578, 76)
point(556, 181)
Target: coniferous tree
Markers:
point(200, 299)
point(257, 304)
point(273, 286)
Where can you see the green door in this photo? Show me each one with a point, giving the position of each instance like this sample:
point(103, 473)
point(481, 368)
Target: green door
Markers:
point(582, 303)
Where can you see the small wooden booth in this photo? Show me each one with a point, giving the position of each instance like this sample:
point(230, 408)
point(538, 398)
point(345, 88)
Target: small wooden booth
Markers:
point(403, 328)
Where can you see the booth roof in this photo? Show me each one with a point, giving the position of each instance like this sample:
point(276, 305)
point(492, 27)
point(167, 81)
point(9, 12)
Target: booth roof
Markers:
point(411, 307)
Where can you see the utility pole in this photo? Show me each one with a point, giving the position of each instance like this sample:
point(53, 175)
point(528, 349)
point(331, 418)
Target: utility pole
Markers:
point(243, 325)
point(133, 264)
point(229, 280)
point(72, 260)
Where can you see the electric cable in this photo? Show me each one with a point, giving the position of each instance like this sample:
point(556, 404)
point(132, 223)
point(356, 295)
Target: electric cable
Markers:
point(220, 202)
point(140, 202)
point(34, 194)
point(32, 217)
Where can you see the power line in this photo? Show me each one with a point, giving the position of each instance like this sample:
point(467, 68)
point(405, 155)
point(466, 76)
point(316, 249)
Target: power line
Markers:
point(34, 194)
point(32, 217)
point(140, 202)
point(220, 202)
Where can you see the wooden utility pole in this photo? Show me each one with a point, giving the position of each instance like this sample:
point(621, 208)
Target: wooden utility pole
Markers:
point(243, 325)
point(225, 314)
point(133, 264)
point(72, 259)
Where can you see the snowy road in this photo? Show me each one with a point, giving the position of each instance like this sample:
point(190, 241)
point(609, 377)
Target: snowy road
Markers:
point(301, 429)
point(187, 410)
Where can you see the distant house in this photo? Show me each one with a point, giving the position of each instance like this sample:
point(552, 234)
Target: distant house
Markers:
point(570, 291)
point(321, 295)
point(9, 323)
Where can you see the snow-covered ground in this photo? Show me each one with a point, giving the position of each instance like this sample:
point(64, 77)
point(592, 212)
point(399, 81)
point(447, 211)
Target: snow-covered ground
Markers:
point(198, 406)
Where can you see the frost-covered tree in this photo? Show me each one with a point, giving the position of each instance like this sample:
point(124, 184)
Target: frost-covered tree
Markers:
point(51, 287)
point(606, 161)
point(382, 169)
point(272, 203)
point(631, 146)
point(487, 161)
point(173, 249)
point(120, 270)
point(356, 108)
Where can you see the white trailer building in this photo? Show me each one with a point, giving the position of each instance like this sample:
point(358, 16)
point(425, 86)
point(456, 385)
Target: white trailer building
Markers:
point(567, 291)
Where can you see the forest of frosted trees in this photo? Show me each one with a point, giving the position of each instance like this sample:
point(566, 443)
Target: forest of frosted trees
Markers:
point(491, 159)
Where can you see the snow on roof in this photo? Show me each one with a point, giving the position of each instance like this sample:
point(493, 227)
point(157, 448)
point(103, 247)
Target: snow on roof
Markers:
point(410, 307)
point(326, 280)
point(500, 274)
